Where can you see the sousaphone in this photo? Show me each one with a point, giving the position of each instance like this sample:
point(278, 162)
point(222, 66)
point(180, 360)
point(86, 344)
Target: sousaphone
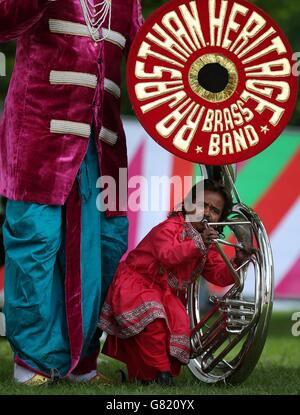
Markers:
point(212, 82)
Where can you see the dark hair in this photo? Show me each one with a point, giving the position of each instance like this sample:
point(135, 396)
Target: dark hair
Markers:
point(216, 187)
point(211, 186)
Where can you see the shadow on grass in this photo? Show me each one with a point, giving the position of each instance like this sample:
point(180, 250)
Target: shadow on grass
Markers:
point(263, 381)
point(277, 372)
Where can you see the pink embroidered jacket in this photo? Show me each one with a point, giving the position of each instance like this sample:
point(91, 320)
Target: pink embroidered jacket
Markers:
point(63, 82)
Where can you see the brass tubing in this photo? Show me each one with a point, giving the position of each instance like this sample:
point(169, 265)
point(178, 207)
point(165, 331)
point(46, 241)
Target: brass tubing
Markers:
point(233, 301)
point(223, 354)
point(228, 223)
point(238, 312)
point(204, 319)
point(217, 338)
point(231, 269)
point(213, 331)
point(232, 344)
point(220, 241)
point(233, 188)
point(223, 336)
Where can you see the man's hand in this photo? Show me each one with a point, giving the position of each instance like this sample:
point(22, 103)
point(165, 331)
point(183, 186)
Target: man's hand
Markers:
point(208, 235)
point(242, 255)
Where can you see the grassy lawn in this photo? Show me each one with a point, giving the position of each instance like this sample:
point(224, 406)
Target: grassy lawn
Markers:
point(278, 372)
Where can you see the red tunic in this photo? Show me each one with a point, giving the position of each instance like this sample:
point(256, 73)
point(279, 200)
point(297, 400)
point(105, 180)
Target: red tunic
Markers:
point(150, 284)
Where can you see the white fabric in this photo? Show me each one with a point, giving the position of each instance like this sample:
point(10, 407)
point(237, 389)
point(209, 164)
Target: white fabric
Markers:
point(73, 78)
point(2, 325)
point(95, 15)
point(114, 37)
point(83, 378)
point(112, 88)
point(108, 136)
point(65, 27)
point(21, 374)
point(70, 127)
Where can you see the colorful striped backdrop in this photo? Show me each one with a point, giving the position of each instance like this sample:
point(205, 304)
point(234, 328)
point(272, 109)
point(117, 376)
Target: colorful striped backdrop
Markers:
point(268, 182)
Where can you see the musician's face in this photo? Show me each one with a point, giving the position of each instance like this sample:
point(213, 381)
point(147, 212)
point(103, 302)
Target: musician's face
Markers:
point(210, 209)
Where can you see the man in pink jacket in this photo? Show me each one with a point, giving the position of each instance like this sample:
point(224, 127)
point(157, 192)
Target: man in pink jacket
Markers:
point(60, 130)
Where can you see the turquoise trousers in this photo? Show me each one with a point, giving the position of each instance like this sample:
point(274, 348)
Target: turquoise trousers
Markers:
point(44, 329)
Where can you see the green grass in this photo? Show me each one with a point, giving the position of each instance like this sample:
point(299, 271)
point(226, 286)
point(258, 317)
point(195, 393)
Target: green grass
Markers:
point(277, 372)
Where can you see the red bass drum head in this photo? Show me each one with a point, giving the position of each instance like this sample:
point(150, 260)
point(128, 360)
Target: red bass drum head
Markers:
point(212, 81)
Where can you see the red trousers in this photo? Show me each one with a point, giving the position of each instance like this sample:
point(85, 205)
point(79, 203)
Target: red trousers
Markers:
point(146, 353)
